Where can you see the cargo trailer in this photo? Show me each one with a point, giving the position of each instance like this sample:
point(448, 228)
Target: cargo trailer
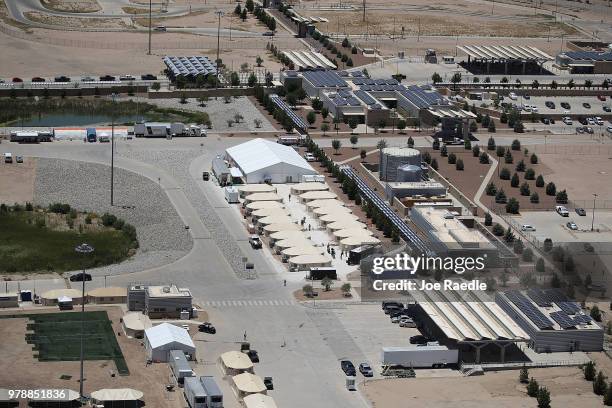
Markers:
point(419, 356)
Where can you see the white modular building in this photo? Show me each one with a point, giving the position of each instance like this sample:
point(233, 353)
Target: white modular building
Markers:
point(266, 161)
point(161, 339)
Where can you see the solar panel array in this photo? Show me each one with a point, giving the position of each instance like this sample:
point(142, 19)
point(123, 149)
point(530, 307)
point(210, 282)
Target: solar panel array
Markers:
point(539, 297)
point(405, 232)
point(325, 79)
point(194, 65)
point(590, 55)
point(563, 320)
point(555, 295)
point(533, 313)
point(357, 74)
point(583, 319)
point(366, 98)
point(568, 307)
point(297, 120)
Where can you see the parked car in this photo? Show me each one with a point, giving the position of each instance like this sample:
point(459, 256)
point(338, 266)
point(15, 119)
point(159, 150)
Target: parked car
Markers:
point(526, 96)
point(588, 247)
point(591, 121)
point(268, 34)
point(562, 211)
point(160, 28)
point(599, 121)
point(386, 304)
point(126, 77)
point(572, 225)
point(205, 176)
point(61, 78)
point(252, 354)
point(395, 319)
point(38, 79)
point(80, 277)
point(348, 368)
point(550, 104)
point(565, 105)
point(19, 159)
point(512, 96)
point(255, 242)
point(609, 129)
point(87, 79)
point(408, 322)
point(148, 77)
point(567, 120)
point(606, 108)
point(586, 105)
point(206, 327)
point(418, 339)
point(527, 227)
point(589, 130)
point(17, 79)
point(582, 120)
point(268, 383)
point(366, 370)
point(581, 212)
point(310, 157)
point(545, 121)
point(580, 130)
point(107, 78)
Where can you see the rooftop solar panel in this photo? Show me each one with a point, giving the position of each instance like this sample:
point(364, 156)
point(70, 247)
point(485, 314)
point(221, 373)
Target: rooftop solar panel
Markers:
point(538, 297)
point(524, 305)
point(563, 320)
point(357, 74)
point(367, 99)
point(569, 307)
point(582, 319)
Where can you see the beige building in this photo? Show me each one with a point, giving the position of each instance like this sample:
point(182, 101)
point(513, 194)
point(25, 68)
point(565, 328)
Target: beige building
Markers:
point(9, 300)
point(110, 295)
point(167, 301)
point(50, 297)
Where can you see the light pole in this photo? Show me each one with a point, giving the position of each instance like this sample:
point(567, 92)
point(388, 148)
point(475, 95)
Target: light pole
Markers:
point(150, 11)
point(593, 219)
point(219, 14)
point(84, 249)
point(112, 192)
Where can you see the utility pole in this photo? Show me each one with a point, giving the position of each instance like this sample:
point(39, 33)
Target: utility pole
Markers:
point(364, 11)
point(84, 249)
point(150, 13)
point(219, 13)
point(593, 219)
point(112, 192)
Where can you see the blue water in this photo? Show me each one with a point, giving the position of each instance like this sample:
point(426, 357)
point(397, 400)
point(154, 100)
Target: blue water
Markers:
point(75, 119)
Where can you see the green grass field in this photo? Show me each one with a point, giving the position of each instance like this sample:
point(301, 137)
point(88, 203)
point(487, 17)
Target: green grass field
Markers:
point(56, 337)
point(25, 247)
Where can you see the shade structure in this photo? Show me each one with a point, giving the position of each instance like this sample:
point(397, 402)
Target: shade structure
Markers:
point(305, 187)
point(266, 212)
point(323, 203)
point(307, 261)
point(247, 383)
point(256, 188)
point(263, 197)
point(301, 250)
point(291, 242)
point(270, 228)
point(334, 217)
point(331, 209)
point(352, 242)
point(235, 360)
point(317, 195)
point(259, 401)
point(287, 235)
point(275, 219)
point(117, 394)
point(352, 232)
point(51, 297)
point(345, 224)
point(257, 205)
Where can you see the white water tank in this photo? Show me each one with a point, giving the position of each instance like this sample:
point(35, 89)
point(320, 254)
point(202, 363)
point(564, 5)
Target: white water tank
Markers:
point(391, 158)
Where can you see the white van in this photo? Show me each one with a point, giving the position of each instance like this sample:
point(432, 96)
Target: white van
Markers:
point(562, 211)
point(8, 157)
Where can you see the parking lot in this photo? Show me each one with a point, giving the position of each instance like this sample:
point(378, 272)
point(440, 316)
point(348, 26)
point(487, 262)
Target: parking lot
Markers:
point(593, 107)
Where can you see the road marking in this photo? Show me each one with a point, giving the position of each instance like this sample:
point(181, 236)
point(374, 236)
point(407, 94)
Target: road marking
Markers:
point(247, 303)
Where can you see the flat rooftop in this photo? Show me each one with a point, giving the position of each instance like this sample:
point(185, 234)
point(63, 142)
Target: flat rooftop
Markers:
point(168, 291)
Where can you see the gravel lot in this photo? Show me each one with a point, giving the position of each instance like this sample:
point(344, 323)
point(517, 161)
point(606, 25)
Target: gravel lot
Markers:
point(219, 112)
point(161, 234)
point(176, 163)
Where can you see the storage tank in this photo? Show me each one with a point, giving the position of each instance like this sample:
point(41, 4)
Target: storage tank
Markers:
point(393, 157)
point(409, 172)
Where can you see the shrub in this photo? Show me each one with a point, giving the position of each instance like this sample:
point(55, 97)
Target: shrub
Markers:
point(500, 197)
point(108, 219)
point(500, 151)
point(551, 189)
point(118, 224)
point(533, 159)
point(434, 164)
point(491, 144)
point(475, 151)
point(589, 371)
point(520, 166)
point(540, 266)
point(516, 144)
point(561, 197)
point(540, 181)
point(532, 388)
point(527, 255)
point(512, 207)
point(59, 208)
point(529, 174)
point(514, 181)
point(459, 165)
point(543, 398)
point(498, 230)
point(525, 189)
point(488, 219)
point(484, 158)
point(535, 198)
point(452, 158)
point(508, 157)
point(599, 385)
point(491, 190)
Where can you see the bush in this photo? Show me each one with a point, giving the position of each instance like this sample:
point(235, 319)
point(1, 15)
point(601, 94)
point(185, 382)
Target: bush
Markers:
point(504, 174)
point(527, 255)
point(59, 208)
point(529, 174)
point(484, 158)
point(491, 190)
point(514, 181)
point(520, 166)
point(491, 144)
point(118, 224)
point(452, 158)
point(543, 398)
point(512, 207)
point(534, 198)
point(434, 164)
point(508, 157)
point(488, 219)
point(459, 165)
point(599, 385)
point(540, 266)
point(525, 189)
point(532, 388)
point(500, 197)
point(516, 144)
point(500, 151)
point(108, 219)
point(533, 159)
point(540, 181)
point(29, 206)
point(589, 371)
point(551, 189)
point(498, 230)
point(561, 197)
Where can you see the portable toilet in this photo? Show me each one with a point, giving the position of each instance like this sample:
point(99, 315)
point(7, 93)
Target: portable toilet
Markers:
point(350, 383)
point(26, 295)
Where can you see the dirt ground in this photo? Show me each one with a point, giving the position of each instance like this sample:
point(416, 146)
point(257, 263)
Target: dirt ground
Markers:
point(72, 6)
point(19, 369)
point(332, 294)
point(12, 192)
point(495, 389)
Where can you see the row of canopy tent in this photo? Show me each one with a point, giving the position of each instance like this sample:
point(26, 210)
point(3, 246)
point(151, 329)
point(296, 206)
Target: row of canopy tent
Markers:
point(248, 385)
point(505, 52)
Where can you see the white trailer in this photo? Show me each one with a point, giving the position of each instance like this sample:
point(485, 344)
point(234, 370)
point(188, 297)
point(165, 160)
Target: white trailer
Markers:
point(180, 366)
point(165, 129)
point(232, 195)
point(419, 356)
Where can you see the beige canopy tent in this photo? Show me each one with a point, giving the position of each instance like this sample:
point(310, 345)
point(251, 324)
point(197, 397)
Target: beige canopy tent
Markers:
point(270, 228)
point(266, 212)
point(263, 197)
point(305, 187)
point(51, 297)
point(255, 188)
point(345, 224)
point(335, 217)
point(247, 383)
point(302, 262)
point(331, 209)
point(116, 394)
point(259, 401)
point(291, 242)
point(258, 205)
point(323, 203)
point(352, 232)
point(275, 219)
point(277, 236)
point(317, 195)
point(235, 362)
point(352, 242)
point(301, 250)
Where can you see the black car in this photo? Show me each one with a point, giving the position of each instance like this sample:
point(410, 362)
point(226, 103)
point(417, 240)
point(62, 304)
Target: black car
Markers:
point(586, 105)
point(418, 339)
point(62, 78)
point(582, 120)
point(38, 79)
point(606, 108)
point(386, 304)
point(205, 176)
point(581, 212)
point(565, 105)
point(348, 368)
point(526, 96)
point(206, 327)
point(268, 34)
point(550, 104)
point(268, 383)
point(148, 77)
point(545, 121)
point(253, 356)
point(79, 277)
point(107, 78)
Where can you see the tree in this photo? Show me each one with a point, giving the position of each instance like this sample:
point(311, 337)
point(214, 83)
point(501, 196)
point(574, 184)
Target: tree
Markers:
point(250, 5)
point(514, 181)
point(317, 104)
point(202, 100)
point(354, 50)
point(551, 189)
point(561, 197)
point(336, 144)
point(324, 113)
point(504, 173)
point(238, 10)
point(324, 128)
point(452, 158)
point(533, 159)
point(543, 398)
point(518, 127)
point(500, 151)
point(596, 313)
point(498, 230)
point(444, 151)
point(491, 144)
point(156, 86)
point(346, 289)
point(491, 127)
point(524, 376)
point(540, 266)
point(401, 125)
point(252, 80)
point(349, 62)
point(486, 120)
point(183, 99)
point(291, 99)
point(382, 143)
point(488, 219)
point(467, 145)
point(234, 78)
point(500, 197)
point(491, 189)
point(363, 154)
point(435, 144)
point(434, 164)
point(243, 15)
point(307, 290)
point(529, 174)
point(527, 255)
point(525, 189)
point(503, 118)
point(257, 123)
point(410, 142)
point(608, 397)
point(229, 122)
point(548, 245)
point(473, 126)
point(327, 283)
point(540, 181)
point(512, 207)
point(455, 79)
point(258, 60)
point(459, 165)
point(534, 198)
point(436, 78)
point(532, 388)
point(599, 385)
point(508, 157)
point(518, 247)
point(354, 139)
point(520, 166)
point(311, 118)
point(476, 151)
point(353, 125)
point(589, 371)
point(484, 158)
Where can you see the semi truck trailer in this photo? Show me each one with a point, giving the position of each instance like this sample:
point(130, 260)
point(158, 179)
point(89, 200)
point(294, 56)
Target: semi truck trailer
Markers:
point(419, 356)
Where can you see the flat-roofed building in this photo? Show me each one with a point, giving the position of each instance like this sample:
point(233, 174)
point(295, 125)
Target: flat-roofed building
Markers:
point(9, 300)
point(167, 301)
point(107, 295)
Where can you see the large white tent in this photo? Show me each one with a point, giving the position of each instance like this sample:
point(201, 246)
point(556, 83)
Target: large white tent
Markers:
point(334, 217)
point(270, 228)
point(301, 250)
point(116, 394)
point(247, 383)
point(323, 203)
point(331, 209)
point(275, 219)
point(352, 232)
point(311, 186)
point(277, 236)
point(308, 261)
point(258, 205)
point(356, 241)
point(291, 242)
point(255, 188)
point(266, 212)
point(263, 197)
point(317, 195)
point(159, 340)
point(259, 401)
point(345, 224)
point(262, 160)
point(235, 362)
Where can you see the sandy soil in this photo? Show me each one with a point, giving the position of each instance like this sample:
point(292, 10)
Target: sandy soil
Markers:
point(17, 181)
point(74, 22)
point(72, 6)
point(494, 389)
point(332, 294)
point(27, 372)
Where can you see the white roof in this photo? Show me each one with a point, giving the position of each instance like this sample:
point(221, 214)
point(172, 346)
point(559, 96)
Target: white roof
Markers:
point(136, 321)
point(309, 186)
point(258, 154)
point(236, 360)
point(291, 242)
point(338, 217)
point(287, 234)
point(275, 219)
point(345, 224)
point(352, 232)
point(257, 205)
point(323, 203)
point(259, 401)
point(318, 195)
point(310, 259)
point(282, 227)
point(167, 333)
point(257, 188)
point(58, 293)
point(301, 250)
point(331, 209)
point(359, 240)
point(117, 394)
point(266, 212)
point(263, 197)
point(247, 382)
